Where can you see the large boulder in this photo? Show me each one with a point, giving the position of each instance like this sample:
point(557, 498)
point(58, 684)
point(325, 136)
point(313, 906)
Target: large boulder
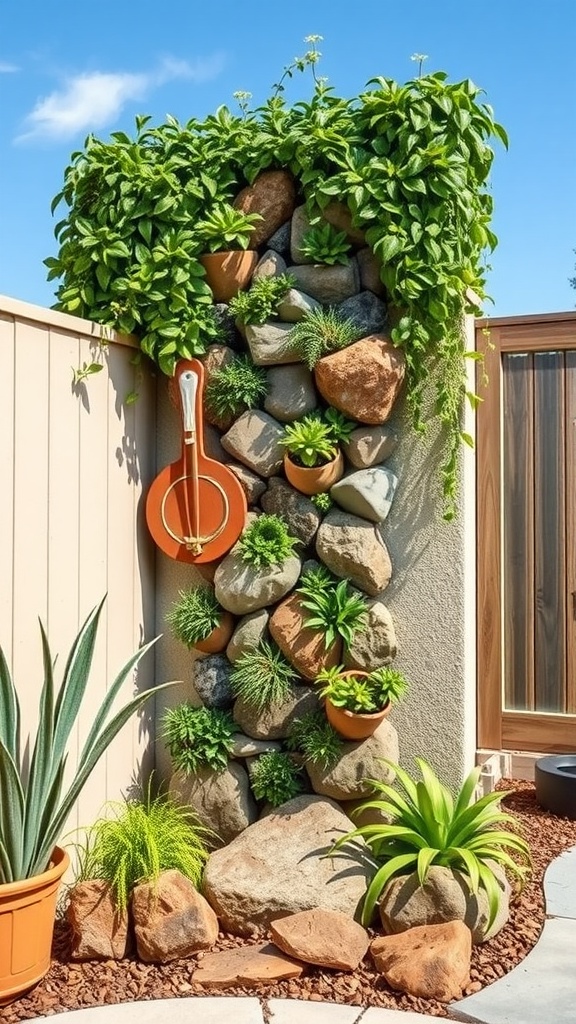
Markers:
point(248, 966)
point(279, 867)
point(272, 195)
point(254, 439)
point(304, 647)
point(324, 937)
point(368, 493)
point(299, 513)
point(222, 800)
point(99, 929)
point(375, 645)
point(362, 381)
point(329, 285)
point(242, 588)
point(171, 919)
point(353, 549)
point(348, 778)
point(430, 962)
point(274, 721)
point(291, 392)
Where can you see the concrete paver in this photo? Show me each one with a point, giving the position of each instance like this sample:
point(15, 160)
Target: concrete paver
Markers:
point(377, 1015)
point(302, 1011)
point(560, 885)
point(209, 1010)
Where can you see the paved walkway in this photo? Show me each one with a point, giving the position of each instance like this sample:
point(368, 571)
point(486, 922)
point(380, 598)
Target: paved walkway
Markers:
point(541, 988)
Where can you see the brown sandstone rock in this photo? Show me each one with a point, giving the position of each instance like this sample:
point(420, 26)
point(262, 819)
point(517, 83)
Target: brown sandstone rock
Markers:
point(339, 216)
point(99, 929)
point(272, 195)
point(249, 966)
point(363, 380)
point(324, 937)
point(171, 919)
point(431, 962)
point(304, 647)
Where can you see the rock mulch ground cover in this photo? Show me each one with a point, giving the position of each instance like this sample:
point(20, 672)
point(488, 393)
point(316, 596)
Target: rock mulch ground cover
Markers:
point(70, 986)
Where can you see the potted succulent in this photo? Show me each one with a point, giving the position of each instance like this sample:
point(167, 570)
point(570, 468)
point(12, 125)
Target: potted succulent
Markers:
point(229, 264)
point(313, 460)
point(199, 621)
point(356, 702)
point(33, 810)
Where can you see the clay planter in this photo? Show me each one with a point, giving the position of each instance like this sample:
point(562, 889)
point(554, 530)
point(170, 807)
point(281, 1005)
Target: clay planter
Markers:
point(227, 273)
point(27, 912)
point(313, 479)
point(350, 725)
point(218, 639)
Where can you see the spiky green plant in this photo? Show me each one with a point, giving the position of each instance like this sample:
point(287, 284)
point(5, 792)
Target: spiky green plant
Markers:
point(262, 676)
point(235, 387)
point(340, 426)
point(194, 615)
point(198, 737)
point(276, 778)
point(323, 501)
point(260, 303)
point(313, 737)
point(309, 441)
point(33, 810)
point(142, 839)
point(266, 542)
point(336, 610)
point(321, 332)
point(225, 227)
point(431, 826)
point(324, 244)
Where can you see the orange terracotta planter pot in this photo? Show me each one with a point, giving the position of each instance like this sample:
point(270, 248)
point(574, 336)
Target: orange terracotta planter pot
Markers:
point(218, 639)
point(27, 913)
point(227, 273)
point(351, 726)
point(313, 479)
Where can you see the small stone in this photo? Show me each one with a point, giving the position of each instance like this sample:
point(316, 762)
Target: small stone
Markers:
point(431, 962)
point(274, 721)
point(99, 930)
point(171, 919)
point(339, 216)
point(270, 343)
point(295, 305)
point(241, 588)
point(362, 381)
point(366, 311)
point(299, 513)
point(367, 493)
point(324, 937)
point(349, 778)
point(245, 746)
point(280, 240)
point(271, 264)
point(248, 633)
point(252, 485)
point(291, 393)
point(375, 645)
point(272, 195)
point(211, 680)
point(368, 446)
point(353, 549)
point(300, 225)
point(248, 966)
point(329, 285)
point(304, 647)
point(222, 800)
point(370, 267)
point(254, 439)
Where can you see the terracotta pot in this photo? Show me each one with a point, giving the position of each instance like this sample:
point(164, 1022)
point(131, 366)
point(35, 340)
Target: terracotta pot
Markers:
point(350, 725)
point(314, 479)
point(218, 639)
point(227, 273)
point(27, 912)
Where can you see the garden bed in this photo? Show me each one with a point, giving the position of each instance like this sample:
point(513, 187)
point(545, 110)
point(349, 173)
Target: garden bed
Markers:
point(70, 986)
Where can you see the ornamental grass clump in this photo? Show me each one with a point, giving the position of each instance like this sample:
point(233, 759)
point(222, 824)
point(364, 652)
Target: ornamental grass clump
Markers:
point(198, 737)
point(235, 387)
point(195, 615)
point(320, 332)
point(314, 738)
point(266, 542)
point(276, 778)
point(429, 826)
point(262, 676)
point(260, 303)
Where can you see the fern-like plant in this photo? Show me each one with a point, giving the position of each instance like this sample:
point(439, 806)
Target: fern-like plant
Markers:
point(266, 542)
point(324, 244)
point(262, 676)
point(276, 778)
point(260, 303)
point(198, 737)
point(194, 615)
point(313, 737)
point(323, 501)
point(235, 387)
point(321, 331)
point(141, 839)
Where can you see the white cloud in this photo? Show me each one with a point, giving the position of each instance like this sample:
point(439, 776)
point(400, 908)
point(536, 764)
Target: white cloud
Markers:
point(93, 100)
point(6, 68)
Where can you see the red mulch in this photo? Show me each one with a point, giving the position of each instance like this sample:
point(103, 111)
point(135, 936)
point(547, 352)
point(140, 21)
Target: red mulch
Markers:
point(70, 986)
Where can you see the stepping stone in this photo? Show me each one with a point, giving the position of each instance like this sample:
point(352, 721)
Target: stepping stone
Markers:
point(300, 1011)
point(249, 965)
point(560, 887)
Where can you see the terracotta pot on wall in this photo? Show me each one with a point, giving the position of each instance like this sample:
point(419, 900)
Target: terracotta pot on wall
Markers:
point(313, 479)
point(227, 273)
point(27, 913)
point(218, 639)
point(350, 725)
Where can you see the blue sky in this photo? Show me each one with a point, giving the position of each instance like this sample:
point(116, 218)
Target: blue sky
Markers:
point(68, 68)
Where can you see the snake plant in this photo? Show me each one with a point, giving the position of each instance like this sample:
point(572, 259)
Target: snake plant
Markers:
point(33, 810)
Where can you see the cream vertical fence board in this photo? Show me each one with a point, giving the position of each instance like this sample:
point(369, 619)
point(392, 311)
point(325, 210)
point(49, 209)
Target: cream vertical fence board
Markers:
point(7, 332)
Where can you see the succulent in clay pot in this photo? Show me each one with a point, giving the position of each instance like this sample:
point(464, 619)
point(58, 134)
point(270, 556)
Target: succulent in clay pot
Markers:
point(357, 702)
point(229, 264)
point(313, 460)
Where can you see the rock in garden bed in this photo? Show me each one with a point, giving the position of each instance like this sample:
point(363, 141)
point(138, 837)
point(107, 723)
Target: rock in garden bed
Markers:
point(368, 493)
point(274, 721)
point(363, 381)
point(171, 919)
point(248, 633)
point(431, 962)
point(304, 647)
point(254, 439)
point(366, 311)
point(249, 966)
point(211, 680)
point(324, 937)
point(375, 645)
point(358, 762)
point(99, 930)
point(272, 195)
point(222, 800)
point(353, 549)
point(270, 343)
point(299, 513)
point(328, 285)
point(241, 588)
point(368, 446)
point(291, 393)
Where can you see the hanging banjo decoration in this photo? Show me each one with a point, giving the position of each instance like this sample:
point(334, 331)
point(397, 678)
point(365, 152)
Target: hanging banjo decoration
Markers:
point(196, 507)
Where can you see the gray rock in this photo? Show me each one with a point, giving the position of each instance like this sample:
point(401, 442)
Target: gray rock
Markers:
point(254, 439)
point(252, 485)
point(348, 778)
point(300, 225)
point(211, 680)
point(367, 492)
point(300, 514)
point(248, 633)
point(280, 240)
point(353, 548)
point(278, 867)
point(330, 285)
point(245, 746)
point(270, 343)
point(367, 313)
point(445, 896)
point(275, 720)
point(213, 445)
point(375, 645)
point(241, 588)
point(291, 392)
point(368, 446)
point(270, 265)
point(369, 266)
point(222, 800)
point(295, 305)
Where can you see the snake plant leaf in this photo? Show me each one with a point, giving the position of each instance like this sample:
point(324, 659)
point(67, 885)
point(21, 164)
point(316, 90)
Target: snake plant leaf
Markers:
point(75, 681)
point(9, 712)
point(11, 816)
point(41, 767)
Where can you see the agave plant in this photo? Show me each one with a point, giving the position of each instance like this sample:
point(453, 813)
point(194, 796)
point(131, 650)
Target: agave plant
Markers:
point(427, 826)
point(33, 810)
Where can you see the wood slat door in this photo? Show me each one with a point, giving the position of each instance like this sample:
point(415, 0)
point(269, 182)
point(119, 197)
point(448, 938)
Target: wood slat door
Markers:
point(527, 536)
